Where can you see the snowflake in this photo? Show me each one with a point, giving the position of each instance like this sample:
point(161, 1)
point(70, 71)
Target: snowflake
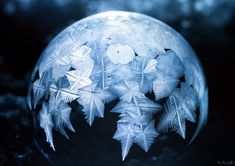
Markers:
point(110, 64)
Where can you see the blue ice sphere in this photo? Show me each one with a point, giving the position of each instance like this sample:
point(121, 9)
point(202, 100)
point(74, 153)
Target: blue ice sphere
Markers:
point(125, 56)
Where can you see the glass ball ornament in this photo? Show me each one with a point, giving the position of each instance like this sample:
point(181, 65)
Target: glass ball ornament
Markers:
point(118, 62)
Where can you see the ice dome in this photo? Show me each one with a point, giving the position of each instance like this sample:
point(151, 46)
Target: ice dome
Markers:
point(120, 56)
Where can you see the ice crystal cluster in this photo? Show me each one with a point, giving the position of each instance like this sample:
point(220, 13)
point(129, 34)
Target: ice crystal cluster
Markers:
point(126, 57)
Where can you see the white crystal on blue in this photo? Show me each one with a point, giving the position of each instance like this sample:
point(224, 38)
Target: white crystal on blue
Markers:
point(125, 56)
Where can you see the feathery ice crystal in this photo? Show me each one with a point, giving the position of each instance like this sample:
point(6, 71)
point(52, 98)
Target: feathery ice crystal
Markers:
point(120, 55)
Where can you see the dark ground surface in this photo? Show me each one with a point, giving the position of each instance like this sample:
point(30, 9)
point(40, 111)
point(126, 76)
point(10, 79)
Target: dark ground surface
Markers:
point(24, 35)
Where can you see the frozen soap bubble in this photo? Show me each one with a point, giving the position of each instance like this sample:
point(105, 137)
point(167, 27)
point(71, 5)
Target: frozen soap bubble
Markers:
point(137, 60)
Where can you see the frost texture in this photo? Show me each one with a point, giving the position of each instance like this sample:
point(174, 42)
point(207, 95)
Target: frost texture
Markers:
point(119, 63)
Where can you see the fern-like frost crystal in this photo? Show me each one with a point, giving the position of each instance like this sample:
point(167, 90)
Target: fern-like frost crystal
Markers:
point(128, 57)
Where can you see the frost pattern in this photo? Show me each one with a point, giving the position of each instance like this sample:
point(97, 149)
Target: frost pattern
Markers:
point(93, 75)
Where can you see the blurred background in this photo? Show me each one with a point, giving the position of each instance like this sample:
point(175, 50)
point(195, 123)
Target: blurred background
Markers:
point(26, 28)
